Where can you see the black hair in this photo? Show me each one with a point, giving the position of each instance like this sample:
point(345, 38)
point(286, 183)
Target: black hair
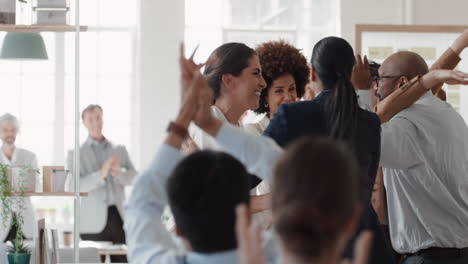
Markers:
point(231, 58)
point(203, 191)
point(333, 60)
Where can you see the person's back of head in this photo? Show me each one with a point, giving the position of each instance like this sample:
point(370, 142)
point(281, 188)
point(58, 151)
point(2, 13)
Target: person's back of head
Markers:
point(203, 192)
point(315, 198)
point(333, 61)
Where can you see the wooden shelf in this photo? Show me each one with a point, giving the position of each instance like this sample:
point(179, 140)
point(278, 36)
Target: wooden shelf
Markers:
point(40, 28)
point(47, 194)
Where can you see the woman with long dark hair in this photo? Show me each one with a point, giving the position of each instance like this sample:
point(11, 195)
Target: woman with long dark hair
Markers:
point(236, 79)
point(335, 112)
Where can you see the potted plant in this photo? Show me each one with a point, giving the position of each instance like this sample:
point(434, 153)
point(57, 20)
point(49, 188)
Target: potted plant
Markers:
point(18, 253)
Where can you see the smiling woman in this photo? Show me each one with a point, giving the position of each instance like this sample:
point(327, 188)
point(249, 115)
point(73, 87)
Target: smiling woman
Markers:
point(237, 82)
point(286, 73)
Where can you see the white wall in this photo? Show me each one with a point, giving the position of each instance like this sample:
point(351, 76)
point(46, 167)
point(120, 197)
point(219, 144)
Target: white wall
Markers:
point(422, 12)
point(161, 29)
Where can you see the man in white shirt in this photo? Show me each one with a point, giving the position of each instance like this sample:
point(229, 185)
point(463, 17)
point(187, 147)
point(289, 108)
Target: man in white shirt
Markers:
point(13, 156)
point(424, 157)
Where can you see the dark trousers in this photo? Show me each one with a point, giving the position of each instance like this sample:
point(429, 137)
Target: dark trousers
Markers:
point(113, 231)
point(380, 252)
point(429, 260)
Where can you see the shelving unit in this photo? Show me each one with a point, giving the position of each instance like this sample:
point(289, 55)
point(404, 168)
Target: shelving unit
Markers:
point(40, 28)
point(77, 29)
point(45, 194)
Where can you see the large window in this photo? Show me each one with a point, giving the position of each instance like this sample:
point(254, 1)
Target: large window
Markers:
point(301, 22)
point(41, 93)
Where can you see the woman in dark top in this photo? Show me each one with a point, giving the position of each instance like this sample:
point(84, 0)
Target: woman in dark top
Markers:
point(335, 112)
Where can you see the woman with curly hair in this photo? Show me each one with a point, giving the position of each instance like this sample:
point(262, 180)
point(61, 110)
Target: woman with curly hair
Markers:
point(286, 74)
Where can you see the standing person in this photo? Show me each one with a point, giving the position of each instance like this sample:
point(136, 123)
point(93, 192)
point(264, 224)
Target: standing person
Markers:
point(202, 190)
point(424, 160)
point(335, 112)
point(105, 169)
point(258, 153)
point(13, 156)
point(286, 74)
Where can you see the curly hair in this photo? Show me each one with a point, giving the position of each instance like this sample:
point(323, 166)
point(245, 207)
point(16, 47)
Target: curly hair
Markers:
point(278, 58)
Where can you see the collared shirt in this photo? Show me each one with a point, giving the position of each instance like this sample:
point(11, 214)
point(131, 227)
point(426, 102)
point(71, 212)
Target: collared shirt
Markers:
point(259, 127)
point(364, 99)
point(201, 138)
point(24, 158)
point(20, 157)
point(147, 239)
point(424, 155)
point(102, 152)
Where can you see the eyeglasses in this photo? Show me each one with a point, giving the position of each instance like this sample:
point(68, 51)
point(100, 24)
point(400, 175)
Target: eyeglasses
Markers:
point(377, 79)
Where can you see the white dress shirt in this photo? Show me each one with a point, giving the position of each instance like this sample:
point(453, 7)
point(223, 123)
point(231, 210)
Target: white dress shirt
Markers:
point(257, 128)
point(147, 239)
point(201, 138)
point(424, 156)
point(24, 158)
point(364, 99)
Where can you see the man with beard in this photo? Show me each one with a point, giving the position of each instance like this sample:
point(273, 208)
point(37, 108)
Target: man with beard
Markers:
point(424, 157)
point(16, 157)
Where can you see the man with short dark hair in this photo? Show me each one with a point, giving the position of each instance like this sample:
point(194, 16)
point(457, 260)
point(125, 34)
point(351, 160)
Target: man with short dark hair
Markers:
point(105, 169)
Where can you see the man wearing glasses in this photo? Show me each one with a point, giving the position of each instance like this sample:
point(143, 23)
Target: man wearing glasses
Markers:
point(424, 158)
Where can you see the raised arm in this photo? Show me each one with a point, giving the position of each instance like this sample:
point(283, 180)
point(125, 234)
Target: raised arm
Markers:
point(449, 60)
point(409, 93)
point(148, 241)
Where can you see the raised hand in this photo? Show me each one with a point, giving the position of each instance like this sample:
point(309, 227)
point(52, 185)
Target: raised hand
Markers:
point(187, 67)
point(190, 74)
point(360, 74)
point(115, 165)
point(437, 77)
point(249, 239)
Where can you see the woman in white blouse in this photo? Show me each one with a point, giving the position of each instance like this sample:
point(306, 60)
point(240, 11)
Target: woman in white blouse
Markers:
point(286, 73)
point(237, 81)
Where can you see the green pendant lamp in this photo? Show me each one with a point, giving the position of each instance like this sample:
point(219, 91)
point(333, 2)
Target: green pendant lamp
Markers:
point(23, 46)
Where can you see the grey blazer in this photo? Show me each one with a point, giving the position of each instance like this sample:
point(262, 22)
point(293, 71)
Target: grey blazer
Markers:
point(93, 214)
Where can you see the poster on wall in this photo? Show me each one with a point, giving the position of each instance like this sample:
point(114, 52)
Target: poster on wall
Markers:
point(380, 41)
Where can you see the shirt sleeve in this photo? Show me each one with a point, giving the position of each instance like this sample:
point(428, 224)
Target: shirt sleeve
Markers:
point(257, 153)
point(398, 146)
point(127, 170)
point(88, 182)
point(147, 239)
